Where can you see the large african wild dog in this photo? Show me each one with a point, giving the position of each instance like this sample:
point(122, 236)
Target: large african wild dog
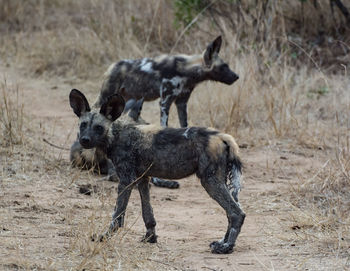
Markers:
point(172, 78)
point(141, 151)
point(97, 160)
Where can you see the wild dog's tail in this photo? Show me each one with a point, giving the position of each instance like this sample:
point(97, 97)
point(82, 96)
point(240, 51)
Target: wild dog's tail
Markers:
point(165, 183)
point(234, 166)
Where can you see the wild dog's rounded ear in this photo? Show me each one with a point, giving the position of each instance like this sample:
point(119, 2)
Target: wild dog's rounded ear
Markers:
point(212, 49)
point(113, 108)
point(78, 102)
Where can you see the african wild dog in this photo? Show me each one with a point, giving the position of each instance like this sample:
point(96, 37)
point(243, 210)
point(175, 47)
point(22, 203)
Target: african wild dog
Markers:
point(172, 78)
point(97, 160)
point(141, 151)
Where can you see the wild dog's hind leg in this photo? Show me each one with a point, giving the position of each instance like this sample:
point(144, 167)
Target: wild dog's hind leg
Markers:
point(220, 193)
point(234, 183)
point(147, 211)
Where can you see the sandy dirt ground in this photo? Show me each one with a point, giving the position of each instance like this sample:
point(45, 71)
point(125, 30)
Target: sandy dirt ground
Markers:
point(46, 223)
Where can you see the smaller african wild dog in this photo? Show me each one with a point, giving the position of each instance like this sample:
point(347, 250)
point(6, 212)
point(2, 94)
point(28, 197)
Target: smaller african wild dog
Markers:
point(142, 151)
point(98, 161)
point(172, 78)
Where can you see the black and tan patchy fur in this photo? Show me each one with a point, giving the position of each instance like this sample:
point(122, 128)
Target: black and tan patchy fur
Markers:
point(170, 78)
point(147, 150)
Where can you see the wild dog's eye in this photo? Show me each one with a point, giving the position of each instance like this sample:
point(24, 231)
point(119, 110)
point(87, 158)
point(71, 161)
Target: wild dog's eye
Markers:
point(83, 125)
point(99, 129)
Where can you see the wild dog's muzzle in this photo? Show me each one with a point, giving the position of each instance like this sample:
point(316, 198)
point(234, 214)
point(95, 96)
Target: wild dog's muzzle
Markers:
point(86, 142)
point(229, 80)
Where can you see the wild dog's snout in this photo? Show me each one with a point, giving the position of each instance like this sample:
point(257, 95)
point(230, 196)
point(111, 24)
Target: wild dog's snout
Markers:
point(229, 77)
point(235, 77)
point(85, 141)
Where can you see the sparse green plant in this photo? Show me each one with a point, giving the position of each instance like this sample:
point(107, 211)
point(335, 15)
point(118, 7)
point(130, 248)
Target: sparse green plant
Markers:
point(319, 92)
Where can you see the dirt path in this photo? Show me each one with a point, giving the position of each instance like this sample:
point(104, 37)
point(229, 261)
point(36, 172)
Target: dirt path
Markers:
point(46, 223)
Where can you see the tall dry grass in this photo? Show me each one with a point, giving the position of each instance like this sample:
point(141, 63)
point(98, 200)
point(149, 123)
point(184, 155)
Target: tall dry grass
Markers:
point(81, 38)
point(11, 116)
point(320, 207)
point(20, 137)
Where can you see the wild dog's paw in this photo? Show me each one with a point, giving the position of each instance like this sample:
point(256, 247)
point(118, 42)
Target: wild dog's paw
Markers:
point(221, 247)
point(88, 189)
point(113, 178)
point(165, 183)
point(99, 238)
point(150, 238)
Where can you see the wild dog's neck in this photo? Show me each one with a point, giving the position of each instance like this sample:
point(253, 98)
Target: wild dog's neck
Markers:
point(104, 93)
point(114, 131)
point(195, 70)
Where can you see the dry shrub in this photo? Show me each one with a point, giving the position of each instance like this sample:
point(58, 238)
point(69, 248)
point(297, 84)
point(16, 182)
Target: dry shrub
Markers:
point(322, 203)
point(11, 116)
point(82, 38)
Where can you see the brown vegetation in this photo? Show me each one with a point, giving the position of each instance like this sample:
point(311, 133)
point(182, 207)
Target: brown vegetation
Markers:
point(290, 110)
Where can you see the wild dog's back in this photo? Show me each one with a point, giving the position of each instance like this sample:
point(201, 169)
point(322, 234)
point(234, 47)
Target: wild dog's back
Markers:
point(173, 152)
point(133, 79)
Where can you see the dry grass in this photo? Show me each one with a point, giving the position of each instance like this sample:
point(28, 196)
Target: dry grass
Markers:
point(287, 91)
point(11, 117)
point(81, 38)
point(321, 204)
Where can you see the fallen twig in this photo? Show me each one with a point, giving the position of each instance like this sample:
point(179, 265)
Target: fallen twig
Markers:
point(56, 146)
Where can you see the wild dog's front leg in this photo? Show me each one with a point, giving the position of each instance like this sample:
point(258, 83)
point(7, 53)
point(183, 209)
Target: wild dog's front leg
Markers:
point(167, 97)
point(219, 192)
point(147, 211)
point(164, 110)
point(124, 192)
point(181, 105)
